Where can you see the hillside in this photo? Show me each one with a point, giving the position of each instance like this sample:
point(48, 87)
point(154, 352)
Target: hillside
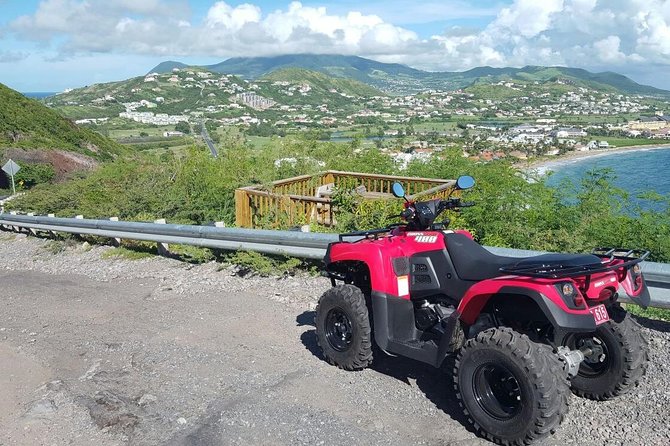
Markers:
point(397, 78)
point(167, 67)
point(196, 90)
point(322, 83)
point(28, 124)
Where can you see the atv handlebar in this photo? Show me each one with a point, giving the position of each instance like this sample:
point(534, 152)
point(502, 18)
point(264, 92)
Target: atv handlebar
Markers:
point(421, 215)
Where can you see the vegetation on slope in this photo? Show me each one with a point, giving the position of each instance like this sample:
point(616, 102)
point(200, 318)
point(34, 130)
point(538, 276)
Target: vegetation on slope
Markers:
point(321, 82)
point(26, 123)
point(403, 79)
point(510, 211)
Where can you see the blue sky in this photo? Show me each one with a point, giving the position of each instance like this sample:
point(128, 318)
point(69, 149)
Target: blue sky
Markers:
point(50, 45)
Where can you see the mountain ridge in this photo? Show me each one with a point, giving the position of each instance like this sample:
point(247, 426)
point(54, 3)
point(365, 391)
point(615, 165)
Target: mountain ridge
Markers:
point(399, 78)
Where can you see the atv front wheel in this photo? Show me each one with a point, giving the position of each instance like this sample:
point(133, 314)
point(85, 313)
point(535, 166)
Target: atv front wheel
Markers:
point(619, 362)
point(343, 328)
point(512, 390)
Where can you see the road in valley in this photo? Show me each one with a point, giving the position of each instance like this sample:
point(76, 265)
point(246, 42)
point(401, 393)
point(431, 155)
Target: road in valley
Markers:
point(208, 140)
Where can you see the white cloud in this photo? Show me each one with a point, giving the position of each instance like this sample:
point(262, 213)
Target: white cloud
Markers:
point(588, 33)
point(528, 18)
point(12, 56)
point(608, 49)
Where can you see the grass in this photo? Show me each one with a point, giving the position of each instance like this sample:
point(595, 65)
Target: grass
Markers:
point(264, 265)
point(259, 142)
point(650, 313)
point(135, 132)
point(7, 237)
point(58, 246)
point(623, 142)
point(126, 253)
point(192, 254)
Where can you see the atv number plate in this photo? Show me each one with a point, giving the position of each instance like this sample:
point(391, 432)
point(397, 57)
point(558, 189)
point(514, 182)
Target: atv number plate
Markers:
point(600, 314)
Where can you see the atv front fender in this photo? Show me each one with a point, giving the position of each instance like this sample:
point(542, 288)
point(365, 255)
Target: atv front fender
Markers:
point(543, 293)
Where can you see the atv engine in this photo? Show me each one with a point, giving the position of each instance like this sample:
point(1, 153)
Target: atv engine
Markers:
point(427, 315)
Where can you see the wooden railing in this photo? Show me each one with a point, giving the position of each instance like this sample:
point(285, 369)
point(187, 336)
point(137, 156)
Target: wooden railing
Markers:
point(294, 201)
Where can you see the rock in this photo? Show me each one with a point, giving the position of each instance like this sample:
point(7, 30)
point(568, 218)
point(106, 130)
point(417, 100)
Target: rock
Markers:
point(41, 409)
point(145, 399)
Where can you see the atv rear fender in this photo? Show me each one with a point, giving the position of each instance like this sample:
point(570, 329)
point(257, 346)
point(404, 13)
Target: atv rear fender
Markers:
point(543, 293)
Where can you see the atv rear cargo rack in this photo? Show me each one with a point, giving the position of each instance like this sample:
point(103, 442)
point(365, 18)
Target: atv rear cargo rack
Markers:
point(629, 257)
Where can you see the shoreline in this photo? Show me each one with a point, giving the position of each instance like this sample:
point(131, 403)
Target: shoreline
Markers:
point(546, 164)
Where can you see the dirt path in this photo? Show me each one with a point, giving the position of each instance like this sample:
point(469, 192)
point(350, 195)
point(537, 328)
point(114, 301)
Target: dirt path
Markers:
point(114, 352)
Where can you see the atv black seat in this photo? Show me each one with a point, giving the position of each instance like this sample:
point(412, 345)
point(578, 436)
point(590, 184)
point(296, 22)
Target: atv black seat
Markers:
point(474, 262)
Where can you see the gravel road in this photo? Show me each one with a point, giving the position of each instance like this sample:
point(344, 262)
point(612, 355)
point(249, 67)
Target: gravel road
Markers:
point(154, 351)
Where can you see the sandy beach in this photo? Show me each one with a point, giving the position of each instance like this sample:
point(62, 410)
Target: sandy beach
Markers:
point(542, 165)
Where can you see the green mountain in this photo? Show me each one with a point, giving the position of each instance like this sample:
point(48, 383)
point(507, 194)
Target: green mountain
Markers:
point(196, 89)
point(397, 78)
point(27, 124)
point(167, 67)
point(321, 82)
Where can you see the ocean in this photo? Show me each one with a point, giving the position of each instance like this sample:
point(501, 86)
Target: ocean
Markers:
point(637, 171)
point(38, 94)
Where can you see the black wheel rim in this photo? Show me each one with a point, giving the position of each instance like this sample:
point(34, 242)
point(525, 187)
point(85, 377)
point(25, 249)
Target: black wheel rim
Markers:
point(497, 391)
point(597, 364)
point(339, 333)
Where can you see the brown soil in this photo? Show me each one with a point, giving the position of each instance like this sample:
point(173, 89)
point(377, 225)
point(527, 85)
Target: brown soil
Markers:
point(65, 163)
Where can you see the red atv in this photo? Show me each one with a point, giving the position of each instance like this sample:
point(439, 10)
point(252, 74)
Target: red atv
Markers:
point(523, 330)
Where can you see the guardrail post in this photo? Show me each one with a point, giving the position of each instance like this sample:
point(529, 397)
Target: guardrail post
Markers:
point(51, 233)
point(163, 248)
point(116, 241)
point(14, 228)
point(31, 230)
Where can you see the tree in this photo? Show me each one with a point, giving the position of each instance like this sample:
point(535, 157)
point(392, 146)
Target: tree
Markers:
point(183, 126)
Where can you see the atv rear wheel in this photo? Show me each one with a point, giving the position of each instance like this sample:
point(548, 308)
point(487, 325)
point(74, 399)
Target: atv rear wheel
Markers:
point(343, 328)
point(621, 364)
point(512, 390)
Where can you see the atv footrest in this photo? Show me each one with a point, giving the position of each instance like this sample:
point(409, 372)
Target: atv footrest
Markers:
point(424, 351)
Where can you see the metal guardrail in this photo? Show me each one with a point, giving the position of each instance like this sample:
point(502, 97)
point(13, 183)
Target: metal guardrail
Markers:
point(290, 243)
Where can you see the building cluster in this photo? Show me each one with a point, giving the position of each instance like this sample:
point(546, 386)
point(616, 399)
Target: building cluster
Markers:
point(254, 100)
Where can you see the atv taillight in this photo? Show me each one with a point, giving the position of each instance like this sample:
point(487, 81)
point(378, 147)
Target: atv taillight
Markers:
point(571, 295)
point(605, 294)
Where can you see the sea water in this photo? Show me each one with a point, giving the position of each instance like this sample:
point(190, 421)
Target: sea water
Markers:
point(636, 171)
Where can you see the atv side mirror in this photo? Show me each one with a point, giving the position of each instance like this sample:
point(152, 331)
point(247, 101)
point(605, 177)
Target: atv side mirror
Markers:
point(465, 182)
point(398, 190)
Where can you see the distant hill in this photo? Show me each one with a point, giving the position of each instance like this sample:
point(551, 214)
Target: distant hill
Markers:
point(397, 78)
point(323, 83)
point(28, 124)
point(167, 66)
point(198, 89)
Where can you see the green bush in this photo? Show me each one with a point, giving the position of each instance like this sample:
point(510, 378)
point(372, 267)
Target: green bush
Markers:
point(32, 174)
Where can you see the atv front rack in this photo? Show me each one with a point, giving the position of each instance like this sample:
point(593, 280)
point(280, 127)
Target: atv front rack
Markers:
point(371, 233)
point(612, 259)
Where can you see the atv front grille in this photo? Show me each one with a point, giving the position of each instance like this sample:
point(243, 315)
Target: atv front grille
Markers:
point(420, 267)
point(422, 278)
